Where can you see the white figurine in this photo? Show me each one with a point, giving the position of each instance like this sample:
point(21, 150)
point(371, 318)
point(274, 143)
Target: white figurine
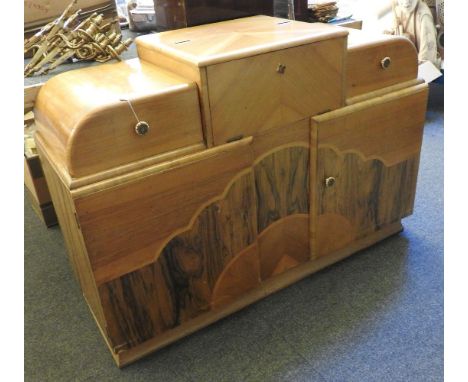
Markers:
point(413, 19)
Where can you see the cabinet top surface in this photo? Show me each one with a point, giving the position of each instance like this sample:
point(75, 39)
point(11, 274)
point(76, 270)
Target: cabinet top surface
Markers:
point(230, 40)
point(90, 90)
point(87, 117)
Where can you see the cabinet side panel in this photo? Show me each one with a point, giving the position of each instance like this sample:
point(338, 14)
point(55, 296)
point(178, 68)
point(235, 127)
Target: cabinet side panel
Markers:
point(74, 242)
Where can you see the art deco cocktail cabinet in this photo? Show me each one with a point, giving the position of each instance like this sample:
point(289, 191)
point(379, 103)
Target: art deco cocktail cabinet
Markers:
point(224, 163)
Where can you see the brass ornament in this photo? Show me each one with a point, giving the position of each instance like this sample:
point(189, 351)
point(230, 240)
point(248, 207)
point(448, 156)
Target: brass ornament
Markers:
point(65, 38)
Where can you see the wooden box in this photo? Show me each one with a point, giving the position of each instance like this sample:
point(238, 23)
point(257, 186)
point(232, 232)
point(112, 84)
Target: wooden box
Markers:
point(171, 231)
point(34, 180)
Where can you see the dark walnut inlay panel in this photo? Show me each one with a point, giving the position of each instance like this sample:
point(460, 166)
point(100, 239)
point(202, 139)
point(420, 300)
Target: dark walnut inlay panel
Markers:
point(221, 257)
point(366, 196)
point(282, 185)
point(179, 285)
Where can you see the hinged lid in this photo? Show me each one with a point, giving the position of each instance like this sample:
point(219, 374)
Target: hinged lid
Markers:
point(230, 40)
point(88, 126)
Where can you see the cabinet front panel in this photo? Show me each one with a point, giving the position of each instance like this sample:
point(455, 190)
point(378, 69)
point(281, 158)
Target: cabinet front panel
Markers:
point(255, 228)
point(366, 196)
point(282, 186)
point(270, 90)
point(125, 227)
point(282, 169)
point(388, 128)
point(208, 265)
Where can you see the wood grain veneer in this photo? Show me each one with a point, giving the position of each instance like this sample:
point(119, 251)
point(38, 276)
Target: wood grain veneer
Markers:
point(365, 72)
point(80, 114)
point(371, 150)
point(277, 99)
point(235, 64)
point(270, 286)
point(172, 235)
point(206, 45)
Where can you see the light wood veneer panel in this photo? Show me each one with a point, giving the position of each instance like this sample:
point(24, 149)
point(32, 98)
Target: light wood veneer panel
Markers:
point(211, 44)
point(364, 71)
point(126, 226)
point(81, 115)
point(388, 128)
point(371, 152)
point(249, 96)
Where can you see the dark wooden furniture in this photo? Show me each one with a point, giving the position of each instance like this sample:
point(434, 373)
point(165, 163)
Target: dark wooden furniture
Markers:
point(175, 14)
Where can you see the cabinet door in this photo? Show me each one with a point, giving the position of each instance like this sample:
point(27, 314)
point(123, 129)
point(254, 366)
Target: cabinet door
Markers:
point(254, 94)
point(366, 167)
point(172, 244)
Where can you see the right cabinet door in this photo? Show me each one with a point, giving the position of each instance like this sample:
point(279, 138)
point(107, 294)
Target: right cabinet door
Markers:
point(366, 164)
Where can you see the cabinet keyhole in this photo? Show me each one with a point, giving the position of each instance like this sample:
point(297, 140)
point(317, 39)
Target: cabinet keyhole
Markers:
point(330, 181)
point(281, 68)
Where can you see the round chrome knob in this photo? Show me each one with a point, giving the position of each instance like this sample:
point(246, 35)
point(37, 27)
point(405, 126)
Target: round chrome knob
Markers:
point(142, 127)
point(330, 181)
point(386, 62)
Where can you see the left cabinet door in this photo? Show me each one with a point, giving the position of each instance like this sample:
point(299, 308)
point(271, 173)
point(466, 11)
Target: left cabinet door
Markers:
point(174, 242)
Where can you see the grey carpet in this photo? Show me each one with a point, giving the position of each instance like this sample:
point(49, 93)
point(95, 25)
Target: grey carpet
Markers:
point(377, 316)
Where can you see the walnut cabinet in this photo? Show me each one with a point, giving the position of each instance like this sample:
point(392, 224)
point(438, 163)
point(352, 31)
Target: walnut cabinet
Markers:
point(266, 156)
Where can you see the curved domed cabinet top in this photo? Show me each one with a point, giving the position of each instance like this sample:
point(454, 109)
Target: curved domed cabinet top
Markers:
point(85, 120)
